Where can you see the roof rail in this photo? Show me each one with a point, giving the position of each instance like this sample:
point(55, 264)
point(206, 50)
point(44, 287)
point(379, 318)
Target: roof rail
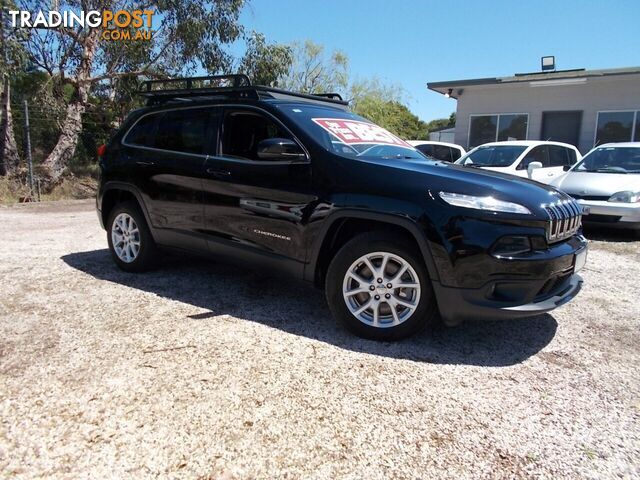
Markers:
point(229, 86)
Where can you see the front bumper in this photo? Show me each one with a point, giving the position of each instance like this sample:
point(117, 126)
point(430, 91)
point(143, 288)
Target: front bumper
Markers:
point(612, 213)
point(505, 296)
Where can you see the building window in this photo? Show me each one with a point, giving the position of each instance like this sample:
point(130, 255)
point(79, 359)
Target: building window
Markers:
point(500, 127)
point(619, 126)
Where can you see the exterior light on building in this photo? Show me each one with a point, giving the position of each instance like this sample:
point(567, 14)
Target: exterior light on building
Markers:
point(548, 63)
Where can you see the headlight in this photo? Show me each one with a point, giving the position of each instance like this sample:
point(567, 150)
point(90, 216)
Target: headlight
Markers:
point(483, 203)
point(625, 197)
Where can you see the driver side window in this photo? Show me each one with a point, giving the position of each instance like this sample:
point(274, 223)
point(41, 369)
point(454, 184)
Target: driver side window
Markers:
point(243, 130)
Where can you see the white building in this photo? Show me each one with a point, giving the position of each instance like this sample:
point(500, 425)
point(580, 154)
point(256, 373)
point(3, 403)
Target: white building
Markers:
point(581, 107)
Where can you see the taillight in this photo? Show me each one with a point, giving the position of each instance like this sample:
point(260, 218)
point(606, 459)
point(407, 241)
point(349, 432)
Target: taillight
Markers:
point(101, 150)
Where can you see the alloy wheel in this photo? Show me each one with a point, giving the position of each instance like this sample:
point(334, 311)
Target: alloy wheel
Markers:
point(125, 237)
point(381, 289)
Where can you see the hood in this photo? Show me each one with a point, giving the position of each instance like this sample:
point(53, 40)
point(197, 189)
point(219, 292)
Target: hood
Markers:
point(448, 177)
point(597, 184)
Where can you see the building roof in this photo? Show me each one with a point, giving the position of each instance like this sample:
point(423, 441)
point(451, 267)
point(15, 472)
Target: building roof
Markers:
point(569, 75)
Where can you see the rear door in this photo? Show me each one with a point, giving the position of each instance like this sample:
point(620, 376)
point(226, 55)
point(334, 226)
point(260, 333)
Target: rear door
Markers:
point(168, 170)
point(253, 205)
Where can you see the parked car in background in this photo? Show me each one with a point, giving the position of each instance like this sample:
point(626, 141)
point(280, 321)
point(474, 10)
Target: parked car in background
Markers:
point(447, 152)
point(607, 181)
point(537, 160)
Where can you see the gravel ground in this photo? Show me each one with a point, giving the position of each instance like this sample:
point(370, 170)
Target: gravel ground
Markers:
point(201, 370)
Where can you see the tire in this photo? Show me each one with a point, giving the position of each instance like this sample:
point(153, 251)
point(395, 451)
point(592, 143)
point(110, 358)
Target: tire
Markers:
point(375, 247)
point(137, 252)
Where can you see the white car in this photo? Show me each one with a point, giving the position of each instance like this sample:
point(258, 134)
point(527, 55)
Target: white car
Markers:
point(607, 182)
point(537, 160)
point(447, 152)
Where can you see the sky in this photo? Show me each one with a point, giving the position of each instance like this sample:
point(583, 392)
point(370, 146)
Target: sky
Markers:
point(408, 43)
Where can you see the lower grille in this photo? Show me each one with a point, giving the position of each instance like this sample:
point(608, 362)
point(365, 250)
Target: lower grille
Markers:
point(602, 218)
point(565, 219)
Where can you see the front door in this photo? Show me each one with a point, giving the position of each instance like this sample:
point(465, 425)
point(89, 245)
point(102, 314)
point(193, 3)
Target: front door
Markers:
point(254, 206)
point(536, 154)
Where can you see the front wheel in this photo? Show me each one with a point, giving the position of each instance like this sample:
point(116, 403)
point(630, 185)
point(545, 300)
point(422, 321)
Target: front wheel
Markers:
point(379, 288)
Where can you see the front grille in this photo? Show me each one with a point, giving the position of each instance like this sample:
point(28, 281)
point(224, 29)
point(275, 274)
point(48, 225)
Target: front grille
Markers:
point(565, 218)
point(590, 197)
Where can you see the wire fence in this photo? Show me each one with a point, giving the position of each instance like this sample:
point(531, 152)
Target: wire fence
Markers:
point(43, 124)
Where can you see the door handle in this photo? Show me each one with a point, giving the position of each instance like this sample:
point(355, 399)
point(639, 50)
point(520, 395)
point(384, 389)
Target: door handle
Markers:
point(145, 164)
point(218, 173)
point(549, 174)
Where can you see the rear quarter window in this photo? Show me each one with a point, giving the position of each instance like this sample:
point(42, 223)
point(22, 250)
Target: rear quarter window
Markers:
point(142, 132)
point(183, 131)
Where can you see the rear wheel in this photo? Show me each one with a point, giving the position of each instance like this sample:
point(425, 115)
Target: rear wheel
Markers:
point(130, 242)
point(379, 288)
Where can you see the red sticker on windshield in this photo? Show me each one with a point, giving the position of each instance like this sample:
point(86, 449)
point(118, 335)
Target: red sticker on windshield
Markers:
point(356, 132)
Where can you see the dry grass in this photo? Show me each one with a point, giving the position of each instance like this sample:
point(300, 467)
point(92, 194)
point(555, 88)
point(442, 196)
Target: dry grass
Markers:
point(71, 187)
point(201, 370)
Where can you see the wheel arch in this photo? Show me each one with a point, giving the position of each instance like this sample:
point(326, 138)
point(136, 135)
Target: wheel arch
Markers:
point(343, 225)
point(114, 193)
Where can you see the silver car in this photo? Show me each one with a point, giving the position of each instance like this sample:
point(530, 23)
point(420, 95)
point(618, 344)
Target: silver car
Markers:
point(607, 182)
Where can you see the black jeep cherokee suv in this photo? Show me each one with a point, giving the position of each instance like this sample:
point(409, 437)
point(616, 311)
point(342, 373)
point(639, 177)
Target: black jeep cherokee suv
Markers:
point(300, 184)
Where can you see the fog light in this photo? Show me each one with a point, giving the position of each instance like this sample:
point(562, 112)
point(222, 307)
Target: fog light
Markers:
point(508, 246)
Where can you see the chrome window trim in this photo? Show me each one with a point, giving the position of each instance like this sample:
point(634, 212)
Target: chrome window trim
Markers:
point(215, 156)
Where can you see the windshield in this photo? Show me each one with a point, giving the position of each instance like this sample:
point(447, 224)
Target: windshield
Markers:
point(492, 156)
point(350, 135)
point(611, 160)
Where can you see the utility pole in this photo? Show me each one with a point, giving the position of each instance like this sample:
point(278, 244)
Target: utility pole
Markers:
point(27, 146)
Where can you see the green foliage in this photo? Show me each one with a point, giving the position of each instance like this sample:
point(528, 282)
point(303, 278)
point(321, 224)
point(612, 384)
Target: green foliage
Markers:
point(382, 104)
point(312, 71)
point(265, 63)
point(441, 123)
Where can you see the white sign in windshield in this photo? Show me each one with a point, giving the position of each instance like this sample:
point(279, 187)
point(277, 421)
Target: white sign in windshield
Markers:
point(354, 132)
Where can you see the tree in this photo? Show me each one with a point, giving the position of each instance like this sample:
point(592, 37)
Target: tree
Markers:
point(190, 34)
point(313, 72)
point(265, 63)
point(12, 57)
point(441, 123)
point(382, 104)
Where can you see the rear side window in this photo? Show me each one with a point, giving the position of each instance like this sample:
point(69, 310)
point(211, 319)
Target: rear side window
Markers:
point(142, 132)
point(183, 131)
point(558, 156)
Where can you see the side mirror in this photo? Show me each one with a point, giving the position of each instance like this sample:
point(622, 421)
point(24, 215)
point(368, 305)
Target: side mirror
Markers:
point(279, 149)
point(532, 166)
point(566, 167)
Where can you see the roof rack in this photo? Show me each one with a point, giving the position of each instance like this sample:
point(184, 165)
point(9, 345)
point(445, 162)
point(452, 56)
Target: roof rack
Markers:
point(223, 86)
